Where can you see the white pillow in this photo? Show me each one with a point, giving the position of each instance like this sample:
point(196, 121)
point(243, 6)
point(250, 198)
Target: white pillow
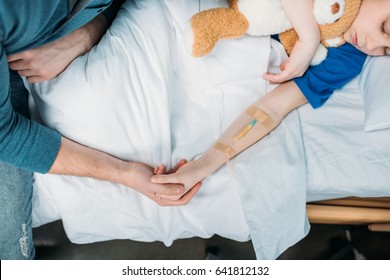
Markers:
point(375, 85)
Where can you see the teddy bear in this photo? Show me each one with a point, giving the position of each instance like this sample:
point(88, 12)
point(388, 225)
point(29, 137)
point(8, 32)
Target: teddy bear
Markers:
point(266, 17)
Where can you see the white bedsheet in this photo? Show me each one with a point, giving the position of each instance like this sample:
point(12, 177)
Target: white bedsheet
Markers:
point(342, 159)
point(138, 95)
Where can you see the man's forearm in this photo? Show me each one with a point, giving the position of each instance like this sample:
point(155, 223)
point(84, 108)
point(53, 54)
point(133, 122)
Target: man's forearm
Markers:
point(78, 160)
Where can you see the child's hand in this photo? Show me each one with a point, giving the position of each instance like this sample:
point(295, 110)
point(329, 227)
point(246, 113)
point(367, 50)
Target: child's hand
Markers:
point(296, 65)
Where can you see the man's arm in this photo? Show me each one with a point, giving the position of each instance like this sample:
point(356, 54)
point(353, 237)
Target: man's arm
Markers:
point(254, 123)
point(48, 61)
point(78, 160)
point(29, 145)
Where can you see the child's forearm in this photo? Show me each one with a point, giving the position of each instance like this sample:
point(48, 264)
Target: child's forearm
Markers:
point(250, 126)
point(300, 14)
point(254, 123)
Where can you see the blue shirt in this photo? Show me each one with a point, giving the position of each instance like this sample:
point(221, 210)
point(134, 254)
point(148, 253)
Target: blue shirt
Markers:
point(26, 24)
point(341, 65)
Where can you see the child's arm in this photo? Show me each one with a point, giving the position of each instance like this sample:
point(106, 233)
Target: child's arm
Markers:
point(253, 124)
point(300, 14)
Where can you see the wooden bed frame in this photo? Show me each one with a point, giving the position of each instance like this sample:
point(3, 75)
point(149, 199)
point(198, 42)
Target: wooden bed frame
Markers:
point(373, 212)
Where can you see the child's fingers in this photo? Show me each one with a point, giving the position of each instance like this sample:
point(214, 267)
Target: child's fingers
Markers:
point(177, 166)
point(157, 170)
point(283, 65)
point(286, 74)
point(276, 78)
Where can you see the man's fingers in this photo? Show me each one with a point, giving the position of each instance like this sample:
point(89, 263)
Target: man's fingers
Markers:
point(162, 201)
point(190, 194)
point(18, 65)
point(18, 56)
point(168, 189)
point(26, 73)
point(35, 79)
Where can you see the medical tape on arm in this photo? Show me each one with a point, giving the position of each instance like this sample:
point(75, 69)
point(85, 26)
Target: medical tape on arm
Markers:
point(259, 116)
point(227, 150)
point(264, 118)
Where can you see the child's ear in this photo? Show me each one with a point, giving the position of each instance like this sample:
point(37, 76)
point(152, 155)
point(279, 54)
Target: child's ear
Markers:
point(328, 11)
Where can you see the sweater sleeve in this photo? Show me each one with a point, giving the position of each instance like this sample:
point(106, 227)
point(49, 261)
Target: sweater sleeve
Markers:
point(23, 143)
point(341, 65)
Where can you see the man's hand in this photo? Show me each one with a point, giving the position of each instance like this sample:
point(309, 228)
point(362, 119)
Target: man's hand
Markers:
point(48, 61)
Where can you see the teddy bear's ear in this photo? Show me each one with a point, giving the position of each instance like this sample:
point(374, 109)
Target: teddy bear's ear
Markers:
point(233, 4)
point(337, 28)
point(209, 26)
point(328, 11)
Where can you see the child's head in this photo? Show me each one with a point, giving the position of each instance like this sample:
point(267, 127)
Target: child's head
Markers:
point(370, 31)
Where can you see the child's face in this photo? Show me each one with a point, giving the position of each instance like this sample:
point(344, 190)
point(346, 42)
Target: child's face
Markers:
point(370, 32)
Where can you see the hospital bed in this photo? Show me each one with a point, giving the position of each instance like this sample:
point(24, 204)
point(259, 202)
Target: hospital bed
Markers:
point(139, 95)
point(373, 212)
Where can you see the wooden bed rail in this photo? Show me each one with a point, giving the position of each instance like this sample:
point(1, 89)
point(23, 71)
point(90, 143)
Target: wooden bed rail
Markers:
point(373, 212)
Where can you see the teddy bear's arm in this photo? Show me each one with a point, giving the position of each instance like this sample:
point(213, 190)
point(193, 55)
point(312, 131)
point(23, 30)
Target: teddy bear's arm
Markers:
point(288, 39)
